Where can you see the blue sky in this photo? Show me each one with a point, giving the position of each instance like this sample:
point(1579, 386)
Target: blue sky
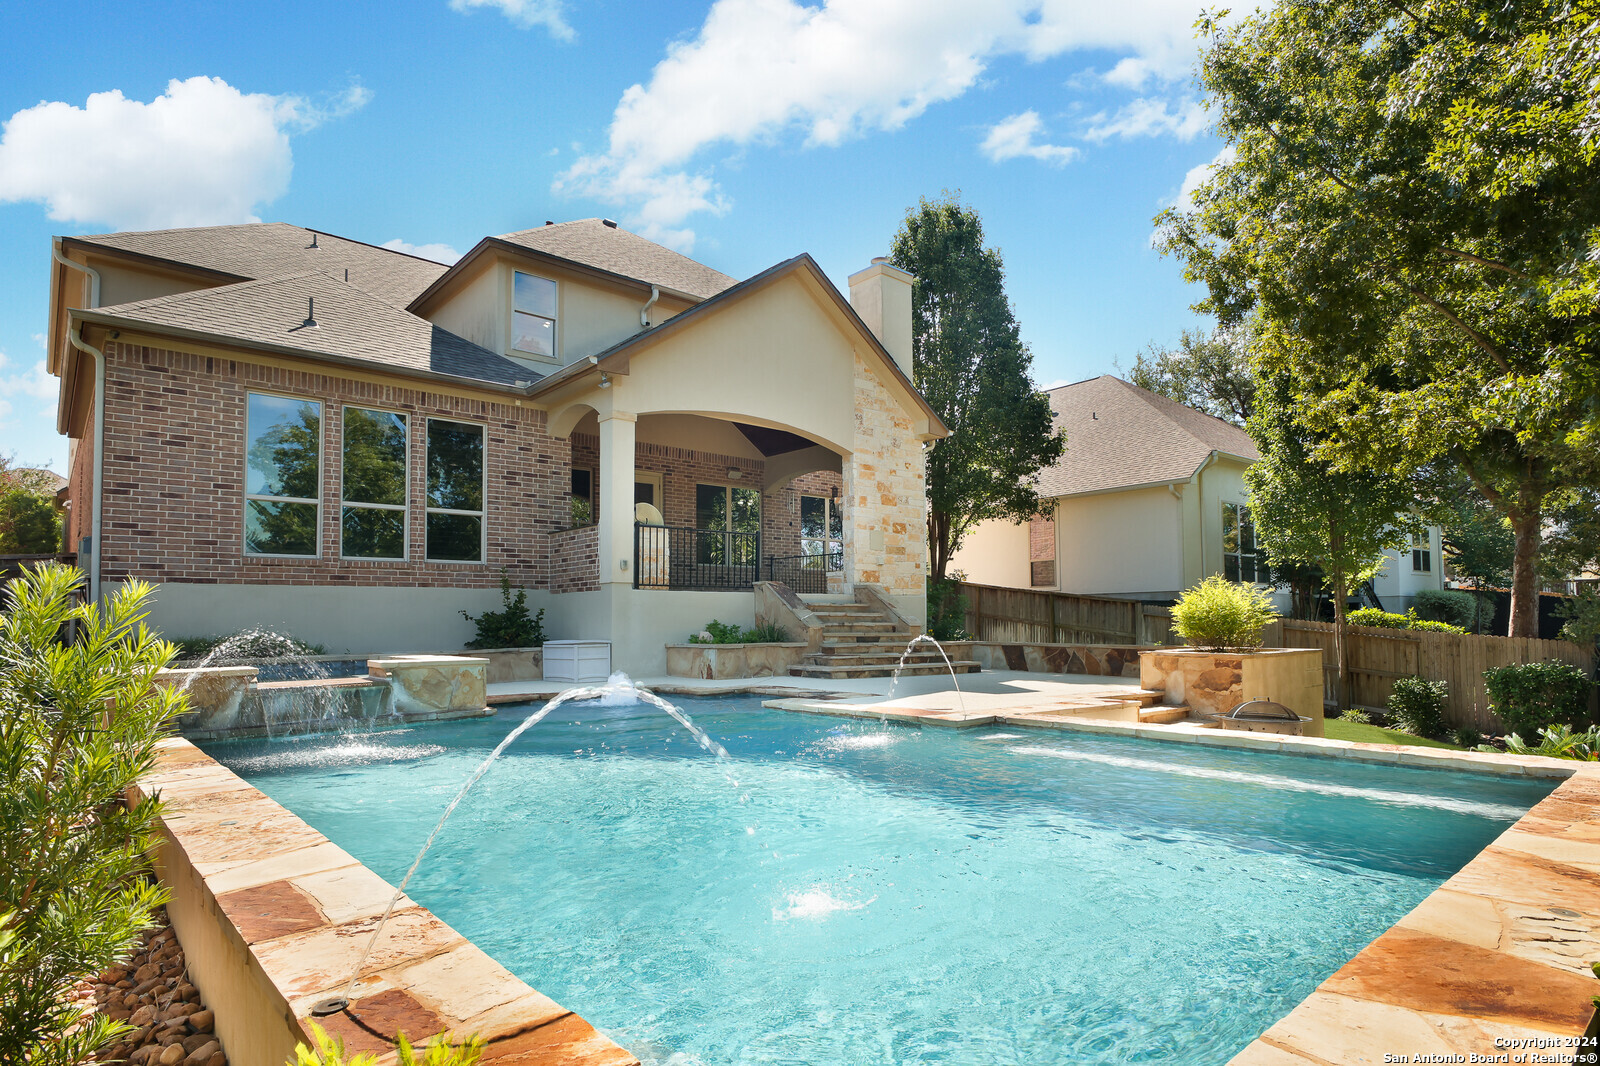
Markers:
point(740, 131)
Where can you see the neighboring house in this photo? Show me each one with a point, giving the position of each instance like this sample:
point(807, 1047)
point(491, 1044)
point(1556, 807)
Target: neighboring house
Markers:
point(1148, 500)
point(285, 428)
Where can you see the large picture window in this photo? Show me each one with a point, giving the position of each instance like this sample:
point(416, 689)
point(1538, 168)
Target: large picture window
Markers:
point(533, 314)
point(734, 511)
point(1242, 559)
point(282, 475)
point(373, 523)
point(455, 491)
point(821, 526)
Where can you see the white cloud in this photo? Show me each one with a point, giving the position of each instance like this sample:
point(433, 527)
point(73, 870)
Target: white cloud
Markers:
point(761, 70)
point(1197, 176)
point(203, 153)
point(439, 253)
point(1148, 117)
point(1013, 138)
point(526, 13)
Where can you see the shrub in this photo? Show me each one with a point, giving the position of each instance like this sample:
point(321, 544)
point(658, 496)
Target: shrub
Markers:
point(79, 727)
point(717, 632)
point(1417, 705)
point(1528, 697)
point(1219, 614)
point(1581, 616)
point(1557, 742)
point(329, 1051)
point(1355, 716)
point(512, 627)
point(947, 610)
point(1466, 737)
point(1372, 616)
point(1446, 605)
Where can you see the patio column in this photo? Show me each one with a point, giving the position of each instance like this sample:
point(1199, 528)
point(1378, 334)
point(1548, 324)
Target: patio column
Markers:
point(616, 497)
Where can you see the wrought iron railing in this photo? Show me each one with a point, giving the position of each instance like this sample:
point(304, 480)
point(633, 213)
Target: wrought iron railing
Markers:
point(668, 557)
point(804, 573)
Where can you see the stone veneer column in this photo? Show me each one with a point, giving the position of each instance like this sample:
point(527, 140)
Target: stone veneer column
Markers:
point(616, 497)
point(885, 492)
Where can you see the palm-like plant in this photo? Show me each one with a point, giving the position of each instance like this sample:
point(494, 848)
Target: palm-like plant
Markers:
point(1557, 742)
point(79, 723)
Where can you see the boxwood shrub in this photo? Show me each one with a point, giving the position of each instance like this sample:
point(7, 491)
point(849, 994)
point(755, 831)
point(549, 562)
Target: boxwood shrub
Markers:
point(1417, 705)
point(1528, 697)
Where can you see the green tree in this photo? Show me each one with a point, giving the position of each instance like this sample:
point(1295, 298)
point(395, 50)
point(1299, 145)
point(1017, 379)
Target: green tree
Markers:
point(78, 726)
point(1310, 513)
point(1209, 372)
point(29, 523)
point(970, 363)
point(1412, 194)
point(1479, 546)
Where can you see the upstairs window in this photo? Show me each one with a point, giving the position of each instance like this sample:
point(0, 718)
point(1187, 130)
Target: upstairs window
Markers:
point(455, 492)
point(1421, 555)
point(373, 522)
point(282, 475)
point(533, 315)
point(1242, 559)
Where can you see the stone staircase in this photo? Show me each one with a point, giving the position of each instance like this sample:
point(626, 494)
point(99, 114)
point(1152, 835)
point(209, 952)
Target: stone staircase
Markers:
point(859, 641)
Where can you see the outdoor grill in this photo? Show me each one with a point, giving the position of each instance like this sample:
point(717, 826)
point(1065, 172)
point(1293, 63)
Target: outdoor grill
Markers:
point(1262, 716)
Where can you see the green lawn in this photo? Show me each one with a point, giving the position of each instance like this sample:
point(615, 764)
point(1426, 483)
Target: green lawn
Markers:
point(1372, 734)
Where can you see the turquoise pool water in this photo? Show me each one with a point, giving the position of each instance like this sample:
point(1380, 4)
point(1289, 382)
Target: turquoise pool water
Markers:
point(893, 895)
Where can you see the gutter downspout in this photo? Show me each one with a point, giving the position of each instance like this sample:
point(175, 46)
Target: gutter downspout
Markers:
point(99, 414)
point(644, 312)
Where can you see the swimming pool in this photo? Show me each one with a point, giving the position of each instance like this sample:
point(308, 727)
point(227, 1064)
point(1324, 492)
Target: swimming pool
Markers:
point(841, 892)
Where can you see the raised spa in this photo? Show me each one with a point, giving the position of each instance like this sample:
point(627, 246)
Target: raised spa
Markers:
point(846, 892)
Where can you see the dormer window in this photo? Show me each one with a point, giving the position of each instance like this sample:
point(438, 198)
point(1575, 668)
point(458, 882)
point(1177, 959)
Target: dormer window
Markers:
point(533, 315)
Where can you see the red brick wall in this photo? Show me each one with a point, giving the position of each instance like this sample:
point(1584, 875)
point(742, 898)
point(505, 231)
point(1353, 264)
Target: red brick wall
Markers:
point(575, 560)
point(1041, 539)
point(174, 476)
point(780, 525)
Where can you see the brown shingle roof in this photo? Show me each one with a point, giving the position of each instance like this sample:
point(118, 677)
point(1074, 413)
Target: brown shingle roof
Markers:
point(593, 243)
point(350, 324)
point(268, 249)
point(1120, 436)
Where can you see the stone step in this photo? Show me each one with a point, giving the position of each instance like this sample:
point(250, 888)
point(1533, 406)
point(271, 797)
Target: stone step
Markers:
point(875, 653)
point(837, 671)
point(842, 608)
point(1163, 715)
point(1147, 697)
point(859, 627)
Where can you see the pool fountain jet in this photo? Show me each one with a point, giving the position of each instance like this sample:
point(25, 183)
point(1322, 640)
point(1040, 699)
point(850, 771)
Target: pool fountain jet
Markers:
point(297, 694)
point(923, 638)
point(619, 688)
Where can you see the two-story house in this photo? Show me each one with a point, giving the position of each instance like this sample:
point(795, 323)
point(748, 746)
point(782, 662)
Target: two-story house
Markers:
point(288, 429)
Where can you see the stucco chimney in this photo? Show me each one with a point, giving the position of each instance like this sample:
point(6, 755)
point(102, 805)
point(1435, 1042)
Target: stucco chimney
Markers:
point(881, 295)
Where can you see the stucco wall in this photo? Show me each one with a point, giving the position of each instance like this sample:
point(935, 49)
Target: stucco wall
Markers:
point(1120, 544)
point(995, 553)
point(1399, 584)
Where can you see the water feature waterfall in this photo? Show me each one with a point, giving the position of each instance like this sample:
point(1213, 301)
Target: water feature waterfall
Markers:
point(618, 687)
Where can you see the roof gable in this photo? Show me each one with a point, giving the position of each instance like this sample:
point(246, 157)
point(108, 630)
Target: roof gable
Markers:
point(605, 246)
point(1120, 436)
point(345, 323)
point(269, 249)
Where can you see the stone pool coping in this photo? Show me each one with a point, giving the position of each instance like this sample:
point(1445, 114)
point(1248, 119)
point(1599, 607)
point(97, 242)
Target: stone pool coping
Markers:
point(273, 916)
point(1500, 951)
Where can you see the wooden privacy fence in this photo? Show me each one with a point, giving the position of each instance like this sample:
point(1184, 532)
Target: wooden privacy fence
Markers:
point(1026, 616)
point(1378, 656)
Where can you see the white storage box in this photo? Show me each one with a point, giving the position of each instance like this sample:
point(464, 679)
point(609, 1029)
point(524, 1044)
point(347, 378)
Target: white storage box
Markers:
point(577, 660)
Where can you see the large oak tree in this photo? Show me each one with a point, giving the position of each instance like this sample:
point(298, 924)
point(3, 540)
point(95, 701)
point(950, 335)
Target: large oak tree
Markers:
point(1412, 193)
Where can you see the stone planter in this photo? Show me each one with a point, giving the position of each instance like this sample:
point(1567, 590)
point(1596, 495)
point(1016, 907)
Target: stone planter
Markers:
point(719, 661)
point(218, 695)
point(1210, 682)
point(427, 685)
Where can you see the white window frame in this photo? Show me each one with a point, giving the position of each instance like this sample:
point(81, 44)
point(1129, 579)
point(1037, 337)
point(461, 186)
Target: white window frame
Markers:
point(1422, 546)
point(428, 509)
point(404, 508)
point(1242, 509)
point(322, 457)
point(555, 323)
